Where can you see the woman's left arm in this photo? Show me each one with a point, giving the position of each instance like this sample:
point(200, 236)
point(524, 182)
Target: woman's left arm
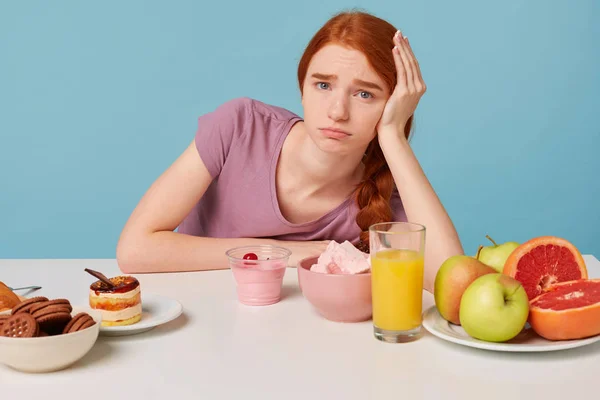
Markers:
point(419, 199)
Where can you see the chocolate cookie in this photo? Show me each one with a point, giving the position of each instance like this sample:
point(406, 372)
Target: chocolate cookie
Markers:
point(52, 318)
point(24, 306)
point(57, 302)
point(41, 313)
point(20, 325)
point(79, 322)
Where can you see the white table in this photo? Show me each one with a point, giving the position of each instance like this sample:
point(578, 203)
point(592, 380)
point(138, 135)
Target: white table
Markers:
point(221, 349)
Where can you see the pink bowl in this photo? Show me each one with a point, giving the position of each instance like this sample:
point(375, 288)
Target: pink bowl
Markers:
point(340, 298)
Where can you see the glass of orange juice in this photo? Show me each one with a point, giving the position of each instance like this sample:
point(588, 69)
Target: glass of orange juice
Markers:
point(397, 266)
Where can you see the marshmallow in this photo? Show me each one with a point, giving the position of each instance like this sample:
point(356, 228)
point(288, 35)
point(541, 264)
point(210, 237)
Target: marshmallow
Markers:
point(342, 258)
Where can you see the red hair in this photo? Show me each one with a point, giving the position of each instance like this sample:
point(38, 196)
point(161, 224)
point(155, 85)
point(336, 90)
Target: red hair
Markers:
point(373, 37)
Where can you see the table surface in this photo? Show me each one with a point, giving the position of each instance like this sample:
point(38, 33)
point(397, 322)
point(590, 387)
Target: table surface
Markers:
point(219, 348)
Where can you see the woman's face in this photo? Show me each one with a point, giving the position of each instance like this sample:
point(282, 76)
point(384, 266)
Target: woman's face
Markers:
point(343, 99)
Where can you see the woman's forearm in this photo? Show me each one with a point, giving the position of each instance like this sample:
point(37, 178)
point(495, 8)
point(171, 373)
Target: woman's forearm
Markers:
point(422, 205)
point(168, 251)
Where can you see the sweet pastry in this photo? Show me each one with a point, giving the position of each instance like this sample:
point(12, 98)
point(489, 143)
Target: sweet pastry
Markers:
point(8, 299)
point(121, 304)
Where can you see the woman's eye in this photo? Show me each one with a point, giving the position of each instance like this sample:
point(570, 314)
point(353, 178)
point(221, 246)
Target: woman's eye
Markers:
point(323, 85)
point(365, 95)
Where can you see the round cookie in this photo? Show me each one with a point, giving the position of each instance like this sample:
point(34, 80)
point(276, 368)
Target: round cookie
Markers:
point(57, 302)
point(20, 325)
point(89, 323)
point(41, 314)
point(24, 306)
point(79, 322)
point(52, 318)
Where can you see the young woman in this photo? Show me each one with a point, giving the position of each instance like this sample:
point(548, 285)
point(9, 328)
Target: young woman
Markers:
point(257, 173)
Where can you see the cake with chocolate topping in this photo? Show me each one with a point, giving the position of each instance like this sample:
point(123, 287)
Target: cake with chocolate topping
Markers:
point(121, 304)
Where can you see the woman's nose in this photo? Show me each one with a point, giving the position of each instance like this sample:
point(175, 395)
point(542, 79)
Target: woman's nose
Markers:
point(338, 109)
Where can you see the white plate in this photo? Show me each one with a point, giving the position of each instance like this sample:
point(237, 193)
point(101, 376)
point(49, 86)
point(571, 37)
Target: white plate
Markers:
point(156, 310)
point(526, 341)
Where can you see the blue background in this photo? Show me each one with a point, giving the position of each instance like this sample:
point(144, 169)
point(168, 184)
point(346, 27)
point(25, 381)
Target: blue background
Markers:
point(98, 98)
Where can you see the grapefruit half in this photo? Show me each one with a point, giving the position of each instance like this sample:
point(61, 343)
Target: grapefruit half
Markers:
point(543, 261)
point(567, 310)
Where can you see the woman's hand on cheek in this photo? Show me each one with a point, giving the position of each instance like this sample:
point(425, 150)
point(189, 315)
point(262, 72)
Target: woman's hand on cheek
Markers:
point(408, 91)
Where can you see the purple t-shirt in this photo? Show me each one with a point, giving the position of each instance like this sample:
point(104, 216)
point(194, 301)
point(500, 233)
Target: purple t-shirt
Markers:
point(240, 143)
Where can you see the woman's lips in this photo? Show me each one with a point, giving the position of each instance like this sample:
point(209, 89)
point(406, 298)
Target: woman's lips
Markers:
point(334, 133)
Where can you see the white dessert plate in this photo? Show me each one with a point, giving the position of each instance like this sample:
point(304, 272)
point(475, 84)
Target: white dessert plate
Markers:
point(526, 341)
point(156, 310)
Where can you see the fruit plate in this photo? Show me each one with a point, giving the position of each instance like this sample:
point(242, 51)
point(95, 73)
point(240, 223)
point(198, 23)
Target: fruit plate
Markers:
point(526, 341)
point(156, 310)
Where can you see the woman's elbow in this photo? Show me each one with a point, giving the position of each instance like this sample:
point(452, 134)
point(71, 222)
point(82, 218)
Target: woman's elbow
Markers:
point(130, 257)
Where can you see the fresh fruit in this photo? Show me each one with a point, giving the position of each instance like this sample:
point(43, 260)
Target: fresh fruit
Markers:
point(251, 257)
point(567, 310)
point(543, 261)
point(451, 280)
point(495, 255)
point(494, 308)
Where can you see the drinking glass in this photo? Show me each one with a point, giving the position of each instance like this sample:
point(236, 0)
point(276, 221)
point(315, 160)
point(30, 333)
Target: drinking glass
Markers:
point(397, 266)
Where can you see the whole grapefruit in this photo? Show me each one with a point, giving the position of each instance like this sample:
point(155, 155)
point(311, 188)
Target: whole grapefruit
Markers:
point(567, 310)
point(543, 261)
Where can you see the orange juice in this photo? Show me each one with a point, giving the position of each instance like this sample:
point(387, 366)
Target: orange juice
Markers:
point(397, 289)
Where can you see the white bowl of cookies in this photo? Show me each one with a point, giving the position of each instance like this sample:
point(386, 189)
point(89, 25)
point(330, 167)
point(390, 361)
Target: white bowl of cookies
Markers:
point(42, 335)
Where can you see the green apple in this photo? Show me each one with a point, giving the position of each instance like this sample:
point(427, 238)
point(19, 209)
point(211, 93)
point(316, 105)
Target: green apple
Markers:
point(451, 280)
point(494, 308)
point(495, 256)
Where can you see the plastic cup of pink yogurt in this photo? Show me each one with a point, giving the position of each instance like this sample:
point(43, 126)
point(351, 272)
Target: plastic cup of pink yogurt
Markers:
point(258, 273)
